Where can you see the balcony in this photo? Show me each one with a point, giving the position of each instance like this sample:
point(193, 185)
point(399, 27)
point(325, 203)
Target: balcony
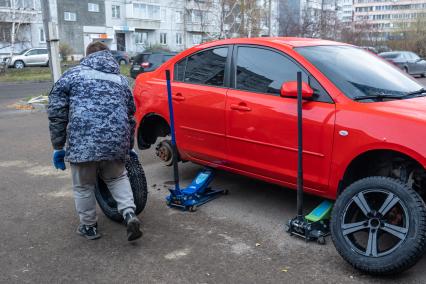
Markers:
point(144, 24)
point(23, 16)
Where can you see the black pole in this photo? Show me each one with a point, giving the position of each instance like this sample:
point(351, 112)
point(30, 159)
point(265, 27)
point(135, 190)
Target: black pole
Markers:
point(299, 148)
point(172, 130)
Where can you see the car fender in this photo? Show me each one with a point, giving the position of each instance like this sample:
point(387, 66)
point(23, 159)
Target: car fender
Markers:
point(338, 169)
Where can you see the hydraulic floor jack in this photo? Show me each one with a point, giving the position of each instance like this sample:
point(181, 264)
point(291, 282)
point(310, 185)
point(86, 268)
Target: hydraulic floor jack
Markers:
point(199, 191)
point(315, 226)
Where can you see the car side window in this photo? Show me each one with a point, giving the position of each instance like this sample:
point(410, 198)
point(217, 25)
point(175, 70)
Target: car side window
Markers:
point(414, 56)
point(31, 52)
point(205, 67)
point(264, 71)
point(179, 70)
point(42, 51)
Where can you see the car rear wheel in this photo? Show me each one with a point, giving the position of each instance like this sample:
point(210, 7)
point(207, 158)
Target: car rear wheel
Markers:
point(19, 64)
point(137, 180)
point(378, 225)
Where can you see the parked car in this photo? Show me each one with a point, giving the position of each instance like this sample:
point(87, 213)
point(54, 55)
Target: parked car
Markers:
point(148, 62)
point(121, 56)
point(408, 61)
point(370, 48)
point(29, 57)
point(364, 130)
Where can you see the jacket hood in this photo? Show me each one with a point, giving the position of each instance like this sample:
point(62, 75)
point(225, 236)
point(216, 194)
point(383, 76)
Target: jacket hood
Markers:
point(102, 61)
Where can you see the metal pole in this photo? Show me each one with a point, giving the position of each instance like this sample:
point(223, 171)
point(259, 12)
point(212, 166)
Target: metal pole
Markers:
point(270, 19)
point(172, 130)
point(50, 24)
point(299, 148)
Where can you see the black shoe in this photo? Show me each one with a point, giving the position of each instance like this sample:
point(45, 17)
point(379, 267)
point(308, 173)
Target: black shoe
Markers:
point(133, 227)
point(89, 232)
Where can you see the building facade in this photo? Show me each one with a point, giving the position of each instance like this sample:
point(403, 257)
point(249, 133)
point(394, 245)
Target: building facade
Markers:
point(308, 18)
point(20, 22)
point(388, 16)
point(345, 11)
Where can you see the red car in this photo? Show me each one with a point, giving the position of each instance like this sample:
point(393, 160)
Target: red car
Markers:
point(364, 133)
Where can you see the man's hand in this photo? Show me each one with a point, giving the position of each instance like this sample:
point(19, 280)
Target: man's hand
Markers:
point(58, 159)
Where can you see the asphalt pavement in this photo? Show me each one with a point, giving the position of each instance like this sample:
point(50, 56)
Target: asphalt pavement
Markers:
point(238, 238)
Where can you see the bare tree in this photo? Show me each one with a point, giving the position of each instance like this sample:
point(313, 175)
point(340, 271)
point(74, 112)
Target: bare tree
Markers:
point(13, 23)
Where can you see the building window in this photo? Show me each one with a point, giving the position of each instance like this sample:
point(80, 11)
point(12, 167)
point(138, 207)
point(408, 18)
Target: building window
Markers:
point(163, 38)
point(41, 37)
point(179, 17)
point(146, 11)
point(196, 39)
point(69, 16)
point(196, 16)
point(141, 37)
point(93, 7)
point(179, 40)
point(163, 15)
point(116, 11)
point(4, 3)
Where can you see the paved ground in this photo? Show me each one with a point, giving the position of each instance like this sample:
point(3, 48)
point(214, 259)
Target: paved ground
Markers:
point(216, 244)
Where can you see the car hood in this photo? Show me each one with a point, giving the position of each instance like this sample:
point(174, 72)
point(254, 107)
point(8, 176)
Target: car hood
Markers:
point(414, 108)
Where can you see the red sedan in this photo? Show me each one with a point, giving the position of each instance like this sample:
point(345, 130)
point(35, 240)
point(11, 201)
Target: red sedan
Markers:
point(364, 132)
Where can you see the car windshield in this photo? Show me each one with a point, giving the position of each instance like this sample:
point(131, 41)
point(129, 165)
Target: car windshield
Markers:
point(358, 73)
point(389, 55)
point(23, 51)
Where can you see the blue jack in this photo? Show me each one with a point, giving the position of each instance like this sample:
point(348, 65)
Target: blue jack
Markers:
point(199, 191)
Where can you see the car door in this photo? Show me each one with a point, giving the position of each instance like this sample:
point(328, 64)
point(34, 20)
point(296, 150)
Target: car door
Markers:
point(199, 97)
point(42, 56)
point(418, 65)
point(31, 57)
point(261, 126)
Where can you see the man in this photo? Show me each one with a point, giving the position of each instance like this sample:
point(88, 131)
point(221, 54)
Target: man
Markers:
point(91, 110)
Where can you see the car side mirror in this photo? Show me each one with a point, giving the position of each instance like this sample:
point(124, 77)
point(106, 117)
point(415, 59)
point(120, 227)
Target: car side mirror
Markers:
point(289, 90)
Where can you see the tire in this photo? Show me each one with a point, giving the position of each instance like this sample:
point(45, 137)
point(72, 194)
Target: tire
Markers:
point(19, 64)
point(404, 216)
point(122, 62)
point(139, 187)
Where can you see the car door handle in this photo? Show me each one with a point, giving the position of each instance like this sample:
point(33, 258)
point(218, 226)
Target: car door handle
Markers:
point(240, 107)
point(178, 97)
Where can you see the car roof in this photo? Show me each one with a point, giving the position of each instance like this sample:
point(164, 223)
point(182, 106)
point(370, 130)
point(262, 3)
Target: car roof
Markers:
point(291, 42)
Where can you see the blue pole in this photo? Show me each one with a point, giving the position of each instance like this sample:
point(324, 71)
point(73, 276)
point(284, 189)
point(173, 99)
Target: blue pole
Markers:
point(172, 130)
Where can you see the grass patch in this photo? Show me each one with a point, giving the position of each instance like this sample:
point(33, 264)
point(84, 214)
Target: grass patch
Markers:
point(42, 73)
point(26, 74)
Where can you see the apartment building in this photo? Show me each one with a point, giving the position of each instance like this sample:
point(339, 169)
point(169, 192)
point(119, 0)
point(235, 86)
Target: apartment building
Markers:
point(388, 16)
point(345, 11)
point(79, 24)
point(302, 17)
point(26, 17)
point(176, 25)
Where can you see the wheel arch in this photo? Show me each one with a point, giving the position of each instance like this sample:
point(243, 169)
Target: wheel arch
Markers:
point(152, 126)
point(377, 162)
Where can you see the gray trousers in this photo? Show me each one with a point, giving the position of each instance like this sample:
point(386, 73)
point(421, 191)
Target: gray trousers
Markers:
point(114, 174)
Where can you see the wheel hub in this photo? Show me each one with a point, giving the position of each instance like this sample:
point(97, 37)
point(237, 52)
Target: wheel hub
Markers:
point(374, 222)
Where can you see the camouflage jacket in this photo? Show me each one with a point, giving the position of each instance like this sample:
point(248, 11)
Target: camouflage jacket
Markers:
point(91, 110)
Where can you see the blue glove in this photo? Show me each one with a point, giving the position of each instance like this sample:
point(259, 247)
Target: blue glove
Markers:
point(58, 159)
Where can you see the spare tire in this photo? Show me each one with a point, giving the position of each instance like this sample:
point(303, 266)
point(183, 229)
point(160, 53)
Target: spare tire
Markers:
point(139, 187)
point(378, 225)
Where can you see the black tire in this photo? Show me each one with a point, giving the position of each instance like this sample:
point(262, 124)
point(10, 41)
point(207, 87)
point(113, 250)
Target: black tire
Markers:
point(399, 227)
point(139, 187)
point(19, 64)
point(122, 62)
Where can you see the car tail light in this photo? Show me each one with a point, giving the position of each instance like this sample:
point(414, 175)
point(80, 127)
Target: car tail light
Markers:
point(145, 64)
